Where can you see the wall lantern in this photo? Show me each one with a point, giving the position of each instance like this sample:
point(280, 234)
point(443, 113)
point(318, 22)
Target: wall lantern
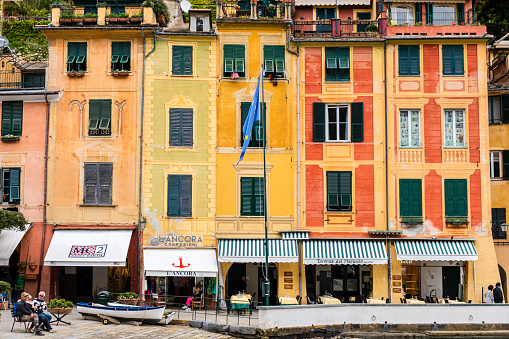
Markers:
point(503, 227)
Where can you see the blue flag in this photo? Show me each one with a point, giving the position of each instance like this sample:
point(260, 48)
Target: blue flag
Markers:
point(252, 116)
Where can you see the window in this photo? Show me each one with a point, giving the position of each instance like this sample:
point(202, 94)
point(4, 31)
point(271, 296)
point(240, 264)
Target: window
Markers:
point(452, 59)
point(120, 56)
point(12, 117)
point(443, 15)
point(410, 198)
point(409, 60)
point(182, 57)
point(252, 198)
point(257, 133)
point(498, 217)
point(99, 117)
point(10, 185)
point(495, 168)
point(199, 24)
point(505, 165)
point(179, 196)
point(454, 128)
point(76, 56)
point(456, 198)
point(339, 191)
point(494, 109)
point(337, 64)
point(402, 15)
point(234, 60)
point(274, 60)
point(181, 127)
point(409, 128)
point(98, 179)
point(341, 122)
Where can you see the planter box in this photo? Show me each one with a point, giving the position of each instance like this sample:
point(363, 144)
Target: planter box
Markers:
point(90, 21)
point(112, 20)
point(129, 301)
point(65, 21)
point(59, 310)
point(7, 139)
point(76, 74)
point(120, 74)
point(77, 21)
point(136, 20)
point(123, 21)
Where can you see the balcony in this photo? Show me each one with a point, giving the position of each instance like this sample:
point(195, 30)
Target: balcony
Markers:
point(17, 79)
point(335, 28)
point(254, 10)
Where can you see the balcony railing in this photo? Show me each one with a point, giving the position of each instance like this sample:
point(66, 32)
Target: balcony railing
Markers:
point(21, 80)
point(335, 28)
point(437, 19)
point(254, 10)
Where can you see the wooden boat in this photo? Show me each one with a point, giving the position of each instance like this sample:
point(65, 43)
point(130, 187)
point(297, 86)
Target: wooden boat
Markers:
point(145, 314)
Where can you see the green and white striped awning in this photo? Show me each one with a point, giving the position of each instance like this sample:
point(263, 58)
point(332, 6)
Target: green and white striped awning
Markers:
point(344, 252)
point(295, 235)
point(436, 250)
point(253, 250)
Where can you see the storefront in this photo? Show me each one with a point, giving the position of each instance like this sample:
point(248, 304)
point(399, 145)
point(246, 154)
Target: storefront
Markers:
point(173, 274)
point(342, 268)
point(246, 258)
point(434, 268)
point(87, 262)
point(9, 258)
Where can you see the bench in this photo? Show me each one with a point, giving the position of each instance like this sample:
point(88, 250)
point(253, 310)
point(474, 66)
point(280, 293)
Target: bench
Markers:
point(16, 319)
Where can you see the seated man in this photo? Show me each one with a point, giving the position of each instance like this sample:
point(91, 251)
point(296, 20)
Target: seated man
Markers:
point(39, 307)
point(25, 313)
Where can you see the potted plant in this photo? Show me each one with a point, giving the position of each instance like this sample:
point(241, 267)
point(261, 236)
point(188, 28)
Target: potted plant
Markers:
point(78, 19)
point(371, 29)
point(102, 4)
point(10, 137)
point(22, 267)
point(5, 287)
point(160, 11)
point(129, 298)
point(123, 18)
point(66, 18)
point(32, 266)
point(90, 18)
point(76, 73)
point(60, 306)
point(137, 18)
point(111, 18)
point(119, 73)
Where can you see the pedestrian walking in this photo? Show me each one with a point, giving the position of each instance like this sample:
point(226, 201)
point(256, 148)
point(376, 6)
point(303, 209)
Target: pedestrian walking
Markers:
point(498, 297)
point(489, 295)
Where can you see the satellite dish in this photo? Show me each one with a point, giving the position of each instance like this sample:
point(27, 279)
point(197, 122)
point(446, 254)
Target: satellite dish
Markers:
point(3, 42)
point(185, 5)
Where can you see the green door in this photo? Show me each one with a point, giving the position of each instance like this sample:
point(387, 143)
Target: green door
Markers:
point(363, 16)
point(450, 282)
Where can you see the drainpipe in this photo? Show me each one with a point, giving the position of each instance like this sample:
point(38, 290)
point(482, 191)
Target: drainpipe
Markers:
point(140, 242)
point(389, 258)
point(41, 260)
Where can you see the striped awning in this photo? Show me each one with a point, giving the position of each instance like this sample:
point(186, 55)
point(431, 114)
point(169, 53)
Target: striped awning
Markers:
point(295, 235)
point(253, 250)
point(344, 252)
point(332, 2)
point(433, 250)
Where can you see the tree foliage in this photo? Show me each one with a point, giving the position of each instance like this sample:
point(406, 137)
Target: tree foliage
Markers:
point(495, 15)
point(32, 45)
point(11, 220)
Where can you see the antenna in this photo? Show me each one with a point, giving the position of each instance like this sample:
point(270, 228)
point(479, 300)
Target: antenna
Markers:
point(185, 5)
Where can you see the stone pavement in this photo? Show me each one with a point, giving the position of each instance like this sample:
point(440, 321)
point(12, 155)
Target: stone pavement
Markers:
point(90, 329)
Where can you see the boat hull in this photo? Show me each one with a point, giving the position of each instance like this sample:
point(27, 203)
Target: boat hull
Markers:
point(145, 314)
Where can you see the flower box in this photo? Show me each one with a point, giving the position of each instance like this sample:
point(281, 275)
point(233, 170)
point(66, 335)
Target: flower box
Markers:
point(59, 310)
point(112, 20)
point(77, 20)
point(136, 20)
point(120, 73)
point(129, 301)
point(75, 74)
point(65, 21)
point(123, 21)
point(10, 138)
point(90, 21)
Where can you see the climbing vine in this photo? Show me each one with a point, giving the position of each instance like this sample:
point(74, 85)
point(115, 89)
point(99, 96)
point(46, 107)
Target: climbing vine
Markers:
point(31, 44)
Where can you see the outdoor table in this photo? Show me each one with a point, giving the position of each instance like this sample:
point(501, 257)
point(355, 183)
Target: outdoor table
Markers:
point(329, 300)
point(240, 302)
point(288, 301)
point(456, 302)
point(59, 314)
point(375, 301)
point(441, 301)
point(414, 301)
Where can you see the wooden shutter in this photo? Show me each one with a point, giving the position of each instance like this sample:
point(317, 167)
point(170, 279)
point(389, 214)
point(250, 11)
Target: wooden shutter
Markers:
point(14, 183)
point(429, 13)
point(357, 121)
point(404, 198)
point(246, 192)
point(186, 189)
point(177, 68)
point(279, 58)
point(447, 59)
point(229, 59)
point(403, 59)
point(345, 191)
point(94, 109)
point(450, 198)
point(173, 196)
point(460, 10)
point(333, 198)
point(458, 59)
point(81, 54)
point(410, 198)
point(188, 60)
point(331, 64)
point(90, 174)
point(126, 56)
point(505, 166)
point(418, 12)
point(456, 201)
point(187, 127)
point(17, 117)
point(72, 53)
point(268, 57)
point(416, 201)
point(343, 56)
point(461, 198)
point(414, 64)
point(175, 127)
point(504, 103)
point(105, 109)
point(105, 173)
point(258, 196)
point(240, 59)
point(6, 117)
point(318, 121)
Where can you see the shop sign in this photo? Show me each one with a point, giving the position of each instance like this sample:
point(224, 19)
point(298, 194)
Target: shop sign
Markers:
point(341, 262)
point(178, 240)
point(182, 274)
point(88, 251)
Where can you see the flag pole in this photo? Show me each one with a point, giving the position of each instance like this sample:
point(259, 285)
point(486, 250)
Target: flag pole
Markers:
point(267, 287)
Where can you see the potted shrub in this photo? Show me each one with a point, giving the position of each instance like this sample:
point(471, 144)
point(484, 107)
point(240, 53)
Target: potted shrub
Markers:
point(371, 29)
point(111, 18)
point(22, 267)
point(129, 298)
point(160, 11)
point(123, 18)
point(66, 18)
point(33, 266)
point(137, 18)
point(5, 287)
point(60, 306)
point(90, 18)
point(78, 19)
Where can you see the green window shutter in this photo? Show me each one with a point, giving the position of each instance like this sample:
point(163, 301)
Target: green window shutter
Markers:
point(188, 60)
point(173, 196)
point(116, 52)
point(246, 192)
point(456, 201)
point(258, 196)
point(418, 12)
point(414, 64)
point(410, 198)
point(105, 173)
point(72, 53)
point(239, 60)
point(404, 198)
point(357, 121)
point(505, 166)
point(318, 121)
point(345, 191)
point(81, 56)
point(126, 56)
point(175, 127)
point(448, 59)
point(229, 59)
point(343, 56)
point(458, 60)
point(333, 193)
point(17, 118)
point(14, 183)
point(268, 58)
point(90, 175)
point(429, 13)
point(504, 108)
point(279, 59)
point(450, 198)
point(186, 189)
point(461, 198)
point(416, 202)
point(105, 109)
point(6, 117)
point(177, 67)
point(403, 59)
point(94, 114)
point(460, 10)
point(187, 127)
point(331, 64)
point(257, 133)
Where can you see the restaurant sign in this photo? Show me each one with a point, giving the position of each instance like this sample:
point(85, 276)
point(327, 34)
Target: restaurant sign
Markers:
point(88, 251)
point(344, 261)
point(177, 240)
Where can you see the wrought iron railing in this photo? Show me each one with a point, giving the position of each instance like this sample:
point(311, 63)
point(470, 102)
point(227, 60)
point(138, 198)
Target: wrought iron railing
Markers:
point(21, 79)
point(334, 28)
point(437, 19)
point(254, 10)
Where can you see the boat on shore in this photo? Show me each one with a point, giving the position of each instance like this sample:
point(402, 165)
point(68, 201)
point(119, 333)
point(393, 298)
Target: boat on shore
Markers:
point(146, 314)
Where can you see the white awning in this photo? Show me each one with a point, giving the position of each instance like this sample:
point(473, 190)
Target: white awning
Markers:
point(88, 248)
point(173, 262)
point(9, 240)
point(436, 250)
point(332, 2)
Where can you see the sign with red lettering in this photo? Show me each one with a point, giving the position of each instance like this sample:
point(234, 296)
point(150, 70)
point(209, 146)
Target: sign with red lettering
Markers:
point(88, 251)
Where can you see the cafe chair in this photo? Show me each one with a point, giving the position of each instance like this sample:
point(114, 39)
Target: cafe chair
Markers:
point(446, 301)
point(387, 301)
point(401, 300)
point(310, 301)
point(469, 302)
point(197, 302)
point(228, 306)
point(298, 299)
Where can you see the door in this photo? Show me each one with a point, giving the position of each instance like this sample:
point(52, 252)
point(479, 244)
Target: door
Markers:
point(234, 276)
point(325, 282)
point(325, 14)
point(451, 282)
point(84, 278)
point(363, 16)
point(311, 281)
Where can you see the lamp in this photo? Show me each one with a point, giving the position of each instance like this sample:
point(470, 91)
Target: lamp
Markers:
point(503, 227)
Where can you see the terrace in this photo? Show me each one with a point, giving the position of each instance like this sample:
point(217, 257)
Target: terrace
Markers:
point(335, 28)
point(270, 10)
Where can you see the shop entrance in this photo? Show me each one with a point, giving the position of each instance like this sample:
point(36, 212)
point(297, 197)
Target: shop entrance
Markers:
point(342, 281)
point(451, 282)
point(82, 283)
